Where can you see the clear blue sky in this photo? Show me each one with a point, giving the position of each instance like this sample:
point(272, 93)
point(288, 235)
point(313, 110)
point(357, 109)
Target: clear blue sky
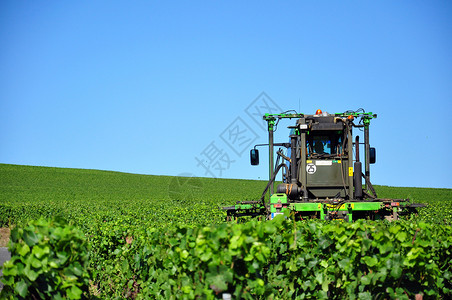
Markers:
point(151, 86)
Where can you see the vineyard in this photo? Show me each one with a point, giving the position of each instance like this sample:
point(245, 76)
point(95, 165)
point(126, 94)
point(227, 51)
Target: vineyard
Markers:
point(100, 234)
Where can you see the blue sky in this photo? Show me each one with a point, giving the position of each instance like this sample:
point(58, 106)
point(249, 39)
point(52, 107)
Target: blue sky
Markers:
point(154, 87)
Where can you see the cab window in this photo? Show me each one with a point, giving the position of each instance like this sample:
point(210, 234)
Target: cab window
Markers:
point(324, 144)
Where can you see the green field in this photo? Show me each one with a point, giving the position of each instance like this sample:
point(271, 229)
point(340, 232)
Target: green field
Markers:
point(28, 192)
point(165, 237)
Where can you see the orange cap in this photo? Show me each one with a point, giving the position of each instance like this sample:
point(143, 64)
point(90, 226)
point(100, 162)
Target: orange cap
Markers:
point(318, 112)
point(351, 117)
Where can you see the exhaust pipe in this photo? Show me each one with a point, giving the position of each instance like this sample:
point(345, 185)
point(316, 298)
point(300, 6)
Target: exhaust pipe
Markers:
point(357, 174)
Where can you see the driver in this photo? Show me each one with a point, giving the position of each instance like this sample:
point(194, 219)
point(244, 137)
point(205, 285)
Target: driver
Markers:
point(318, 148)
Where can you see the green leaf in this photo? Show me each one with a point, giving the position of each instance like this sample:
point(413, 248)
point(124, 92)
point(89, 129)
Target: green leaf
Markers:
point(269, 227)
point(293, 267)
point(325, 286)
point(396, 271)
point(184, 254)
point(367, 243)
point(365, 280)
point(324, 242)
point(36, 263)
point(324, 263)
point(124, 266)
point(216, 282)
point(234, 242)
point(186, 289)
point(39, 252)
point(401, 236)
point(386, 247)
point(365, 296)
point(344, 263)
point(23, 250)
point(370, 261)
point(62, 255)
point(30, 237)
point(31, 274)
point(21, 288)
point(53, 264)
point(15, 234)
point(74, 292)
point(319, 277)
point(206, 256)
point(77, 269)
point(9, 268)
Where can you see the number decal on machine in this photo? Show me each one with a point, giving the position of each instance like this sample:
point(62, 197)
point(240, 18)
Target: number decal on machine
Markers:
point(311, 168)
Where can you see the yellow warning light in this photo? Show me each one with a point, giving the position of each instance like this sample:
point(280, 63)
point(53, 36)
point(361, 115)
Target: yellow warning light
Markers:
point(350, 117)
point(318, 112)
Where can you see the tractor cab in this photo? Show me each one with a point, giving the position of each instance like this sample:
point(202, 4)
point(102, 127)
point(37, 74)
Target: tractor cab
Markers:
point(319, 162)
point(324, 160)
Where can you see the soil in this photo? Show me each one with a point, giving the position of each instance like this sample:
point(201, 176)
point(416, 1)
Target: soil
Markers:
point(4, 236)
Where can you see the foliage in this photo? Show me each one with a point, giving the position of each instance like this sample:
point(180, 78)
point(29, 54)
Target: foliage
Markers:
point(282, 259)
point(439, 201)
point(49, 260)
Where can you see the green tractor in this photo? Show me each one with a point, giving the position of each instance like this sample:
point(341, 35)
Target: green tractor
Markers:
point(320, 177)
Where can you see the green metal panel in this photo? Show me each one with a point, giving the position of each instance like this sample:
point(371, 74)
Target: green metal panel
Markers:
point(278, 198)
point(326, 173)
point(353, 206)
point(243, 206)
point(367, 205)
point(316, 207)
point(327, 177)
point(305, 206)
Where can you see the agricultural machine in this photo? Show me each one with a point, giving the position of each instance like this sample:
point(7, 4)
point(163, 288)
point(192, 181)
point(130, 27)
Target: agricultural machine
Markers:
point(321, 178)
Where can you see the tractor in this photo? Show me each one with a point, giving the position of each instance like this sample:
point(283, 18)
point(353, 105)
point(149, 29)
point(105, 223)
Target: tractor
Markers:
point(321, 178)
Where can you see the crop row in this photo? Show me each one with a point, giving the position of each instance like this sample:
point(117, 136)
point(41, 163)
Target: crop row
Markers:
point(255, 260)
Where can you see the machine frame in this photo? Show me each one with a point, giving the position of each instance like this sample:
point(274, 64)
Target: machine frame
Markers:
point(327, 185)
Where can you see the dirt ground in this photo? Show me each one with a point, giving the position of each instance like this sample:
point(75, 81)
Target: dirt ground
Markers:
point(4, 237)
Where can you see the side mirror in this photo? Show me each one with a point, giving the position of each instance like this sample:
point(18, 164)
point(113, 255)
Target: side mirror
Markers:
point(254, 156)
point(372, 155)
